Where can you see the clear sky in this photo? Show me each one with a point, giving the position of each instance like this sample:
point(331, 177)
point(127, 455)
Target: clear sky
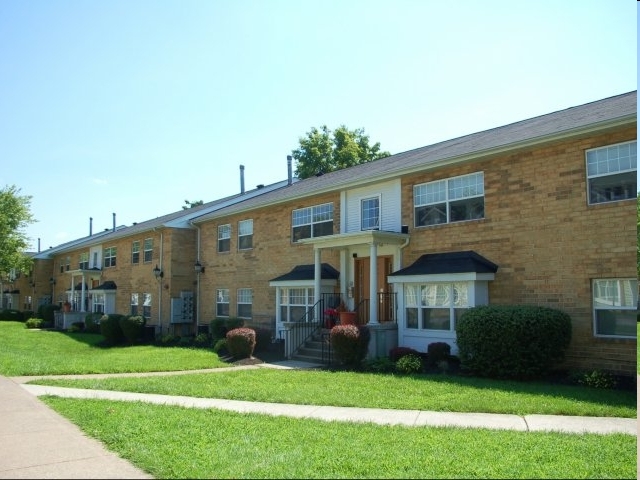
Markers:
point(134, 106)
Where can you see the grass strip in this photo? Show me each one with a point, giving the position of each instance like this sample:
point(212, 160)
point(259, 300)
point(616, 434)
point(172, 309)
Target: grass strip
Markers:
point(44, 352)
point(352, 389)
point(172, 442)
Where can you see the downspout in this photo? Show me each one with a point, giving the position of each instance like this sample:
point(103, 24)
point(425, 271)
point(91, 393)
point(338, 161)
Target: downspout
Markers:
point(161, 267)
point(198, 280)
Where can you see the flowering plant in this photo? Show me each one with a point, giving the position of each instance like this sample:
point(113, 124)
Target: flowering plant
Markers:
point(332, 312)
point(331, 317)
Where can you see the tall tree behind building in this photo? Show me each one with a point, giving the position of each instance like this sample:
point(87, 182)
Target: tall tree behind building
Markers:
point(323, 150)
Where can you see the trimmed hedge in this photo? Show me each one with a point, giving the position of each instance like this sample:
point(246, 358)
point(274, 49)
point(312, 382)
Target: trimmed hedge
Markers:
point(438, 351)
point(132, 327)
point(92, 322)
point(46, 312)
point(512, 341)
point(219, 327)
point(110, 328)
point(241, 342)
point(11, 315)
point(396, 353)
point(350, 343)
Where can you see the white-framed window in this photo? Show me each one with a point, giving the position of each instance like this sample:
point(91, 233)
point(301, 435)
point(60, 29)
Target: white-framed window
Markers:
point(435, 306)
point(222, 302)
point(110, 256)
point(245, 234)
point(67, 264)
point(311, 222)
point(135, 301)
point(370, 213)
point(148, 250)
point(146, 306)
point(454, 199)
point(135, 252)
point(224, 238)
point(615, 303)
point(611, 172)
point(98, 301)
point(245, 301)
point(84, 261)
point(295, 302)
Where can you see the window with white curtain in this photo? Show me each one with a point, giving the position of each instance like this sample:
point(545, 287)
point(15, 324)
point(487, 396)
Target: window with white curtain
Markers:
point(435, 306)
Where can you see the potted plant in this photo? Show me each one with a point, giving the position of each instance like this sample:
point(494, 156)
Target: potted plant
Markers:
point(330, 317)
point(347, 317)
point(66, 307)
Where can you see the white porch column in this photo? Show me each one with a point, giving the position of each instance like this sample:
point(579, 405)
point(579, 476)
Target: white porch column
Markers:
point(82, 296)
point(373, 283)
point(73, 295)
point(278, 309)
point(343, 273)
point(317, 273)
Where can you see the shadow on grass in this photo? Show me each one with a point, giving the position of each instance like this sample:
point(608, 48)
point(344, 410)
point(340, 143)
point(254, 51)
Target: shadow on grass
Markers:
point(558, 386)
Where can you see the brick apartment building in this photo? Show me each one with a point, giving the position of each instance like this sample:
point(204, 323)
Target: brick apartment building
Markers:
point(540, 212)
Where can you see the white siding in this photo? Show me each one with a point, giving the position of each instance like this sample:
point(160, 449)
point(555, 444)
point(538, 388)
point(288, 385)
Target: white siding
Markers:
point(390, 206)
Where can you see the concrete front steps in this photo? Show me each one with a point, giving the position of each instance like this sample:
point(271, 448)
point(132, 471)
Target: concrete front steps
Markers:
point(311, 351)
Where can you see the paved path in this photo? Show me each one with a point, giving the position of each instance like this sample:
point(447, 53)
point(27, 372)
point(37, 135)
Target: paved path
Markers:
point(36, 442)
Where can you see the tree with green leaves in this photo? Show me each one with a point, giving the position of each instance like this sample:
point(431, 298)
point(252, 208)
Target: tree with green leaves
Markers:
point(191, 204)
point(323, 150)
point(15, 216)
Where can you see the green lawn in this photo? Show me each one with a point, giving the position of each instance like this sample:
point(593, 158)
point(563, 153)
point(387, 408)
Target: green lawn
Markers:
point(173, 442)
point(41, 352)
point(349, 389)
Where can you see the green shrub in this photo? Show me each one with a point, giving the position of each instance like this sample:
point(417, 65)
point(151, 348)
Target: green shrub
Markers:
point(219, 327)
point(46, 312)
point(396, 353)
point(241, 342)
point(263, 339)
point(409, 364)
point(350, 343)
point(168, 339)
point(26, 314)
point(437, 352)
point(92, 322)
point(132, 327)
point(34, 323)
point(380, 365)
point(11, 315)
point(512, 341)
point(201, 340)
point(76, 327)
point(220, 346)
point(597, 379)
point(110, 328)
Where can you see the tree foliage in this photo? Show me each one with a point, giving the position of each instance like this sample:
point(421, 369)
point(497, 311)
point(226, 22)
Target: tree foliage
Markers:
point(638, 233)
point(15, 216)
point(323, 150)
point(189, 204)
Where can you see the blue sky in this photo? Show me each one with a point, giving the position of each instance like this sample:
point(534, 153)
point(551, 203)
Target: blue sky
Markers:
point(132, 107)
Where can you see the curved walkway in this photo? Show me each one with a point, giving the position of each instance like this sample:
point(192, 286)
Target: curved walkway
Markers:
point(36, 442)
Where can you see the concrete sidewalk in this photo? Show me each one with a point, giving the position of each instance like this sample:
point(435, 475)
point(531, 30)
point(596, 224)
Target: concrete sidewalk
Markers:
point(36, 442)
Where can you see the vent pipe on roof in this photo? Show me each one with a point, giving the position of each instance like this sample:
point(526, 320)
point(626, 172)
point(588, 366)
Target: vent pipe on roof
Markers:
point(289, 171)
point(90, 226)
point(241, 178)
point(38, 244)
point(114, 221)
